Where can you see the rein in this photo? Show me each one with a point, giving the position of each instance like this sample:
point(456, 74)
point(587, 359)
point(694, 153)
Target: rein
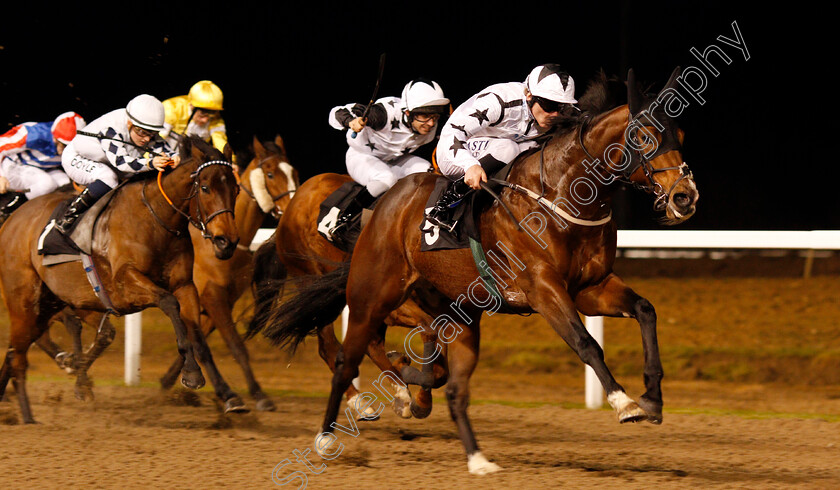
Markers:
point(200, 224)
point(542, 201)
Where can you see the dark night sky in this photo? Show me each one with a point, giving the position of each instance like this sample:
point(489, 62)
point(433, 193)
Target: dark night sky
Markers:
point(755, 146)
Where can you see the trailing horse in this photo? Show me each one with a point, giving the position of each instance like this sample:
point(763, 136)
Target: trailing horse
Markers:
point(142, 252)
point(267, 185)
point(555, 256)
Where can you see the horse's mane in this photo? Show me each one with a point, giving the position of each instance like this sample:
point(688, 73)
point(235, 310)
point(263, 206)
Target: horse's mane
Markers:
point(602, 94)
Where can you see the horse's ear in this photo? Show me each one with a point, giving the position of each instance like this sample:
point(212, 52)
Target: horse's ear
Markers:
point(259, 149)
point(185, 145)
point(195, 152)
point(672, 82)
point(228, 153)
point(634, 96)
point(278, 140)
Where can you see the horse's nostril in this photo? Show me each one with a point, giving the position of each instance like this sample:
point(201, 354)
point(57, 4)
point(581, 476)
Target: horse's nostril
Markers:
point(221, 242)
point(682, 200)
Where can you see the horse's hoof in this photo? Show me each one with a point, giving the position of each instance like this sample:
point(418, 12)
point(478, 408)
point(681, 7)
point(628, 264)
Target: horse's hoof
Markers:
point(193, 380)
point(402, 403)
point(235, 404)
point(478, 465)
point(83, 393)
point(266, 405)
point(421, 406)
point(653, 410)
point(66, 361)
point(632, 413)
point(369, 415)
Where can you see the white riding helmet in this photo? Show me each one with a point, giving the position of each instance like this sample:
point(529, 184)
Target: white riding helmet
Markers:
point(423, 95)
point(146, 111)
point(552, 83)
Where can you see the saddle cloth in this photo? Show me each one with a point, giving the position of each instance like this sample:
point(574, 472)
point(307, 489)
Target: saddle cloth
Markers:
point(332, 207)
point(465, 215)
point(58, 248)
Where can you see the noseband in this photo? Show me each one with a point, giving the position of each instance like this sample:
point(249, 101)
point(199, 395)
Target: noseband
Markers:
point(201, 223)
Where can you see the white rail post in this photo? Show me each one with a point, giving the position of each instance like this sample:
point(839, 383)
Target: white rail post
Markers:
point(345, 318)
point(594, 391)
point(133, 343)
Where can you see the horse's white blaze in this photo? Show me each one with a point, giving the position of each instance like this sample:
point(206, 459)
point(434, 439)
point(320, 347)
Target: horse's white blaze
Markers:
point(288, 170)
point(618, 400)
point(260, 191)
point(478, 464)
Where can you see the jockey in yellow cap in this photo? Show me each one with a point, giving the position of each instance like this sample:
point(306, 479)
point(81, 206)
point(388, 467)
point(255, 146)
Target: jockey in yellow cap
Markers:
point(197, 113)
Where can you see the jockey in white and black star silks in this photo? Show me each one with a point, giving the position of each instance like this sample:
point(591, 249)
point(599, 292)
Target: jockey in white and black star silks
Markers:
point(381, 145)
point(491, 128)
point(123, 141)
point(30, 158)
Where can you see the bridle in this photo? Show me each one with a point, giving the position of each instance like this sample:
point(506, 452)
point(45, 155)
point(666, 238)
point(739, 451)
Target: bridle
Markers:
point(203, 219)
point(669, 143)
point(276, 212)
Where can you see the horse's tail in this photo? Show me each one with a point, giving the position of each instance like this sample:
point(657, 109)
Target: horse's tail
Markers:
point(267, 283)
point(315, 302)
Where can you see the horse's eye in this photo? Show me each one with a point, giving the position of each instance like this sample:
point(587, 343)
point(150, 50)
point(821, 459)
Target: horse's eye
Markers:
point(205, 189)
point(270, 175)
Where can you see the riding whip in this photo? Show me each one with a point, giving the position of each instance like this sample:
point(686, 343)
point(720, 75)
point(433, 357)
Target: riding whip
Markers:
point(375, 89)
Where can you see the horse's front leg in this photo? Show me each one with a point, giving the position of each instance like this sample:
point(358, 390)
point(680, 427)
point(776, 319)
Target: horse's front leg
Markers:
point(612, 297)
point(216, 300)
point(138, 291)
point(187, 297)
point(550, 299)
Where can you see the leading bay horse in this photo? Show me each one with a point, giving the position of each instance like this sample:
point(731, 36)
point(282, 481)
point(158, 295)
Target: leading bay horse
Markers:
point(268, 184)
point(143, 255)
point(555, 256)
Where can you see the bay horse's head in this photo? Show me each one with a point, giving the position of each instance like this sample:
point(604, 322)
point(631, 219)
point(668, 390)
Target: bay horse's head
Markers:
point(655, 144)
point(272, 180)
point(213, 193)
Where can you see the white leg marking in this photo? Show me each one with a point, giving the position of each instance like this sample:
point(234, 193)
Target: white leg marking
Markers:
point(478, 464)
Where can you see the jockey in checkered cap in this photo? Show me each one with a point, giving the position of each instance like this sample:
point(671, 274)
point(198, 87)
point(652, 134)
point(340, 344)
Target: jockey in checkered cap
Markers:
point(121, 142)
point(30, 159)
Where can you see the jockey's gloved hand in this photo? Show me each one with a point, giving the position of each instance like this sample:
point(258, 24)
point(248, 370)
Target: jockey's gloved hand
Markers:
point(161, 162)
point(357, 124)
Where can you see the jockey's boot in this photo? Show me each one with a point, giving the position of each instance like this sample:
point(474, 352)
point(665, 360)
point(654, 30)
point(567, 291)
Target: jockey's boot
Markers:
point(362, 200)
point(14, 201)
point(79, 205)
point(441, 213)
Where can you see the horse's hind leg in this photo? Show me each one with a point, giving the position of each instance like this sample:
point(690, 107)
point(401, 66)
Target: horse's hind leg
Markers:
point(463, 357)
point(105, 334)
point(22, 334)
point(614, 298)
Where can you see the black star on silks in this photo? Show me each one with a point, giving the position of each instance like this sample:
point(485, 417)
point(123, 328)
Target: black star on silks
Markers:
point(459, 128)
point(371, 146)
point(391, 103)
point(459, 145)
point(395, 123)
point(480, 115)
